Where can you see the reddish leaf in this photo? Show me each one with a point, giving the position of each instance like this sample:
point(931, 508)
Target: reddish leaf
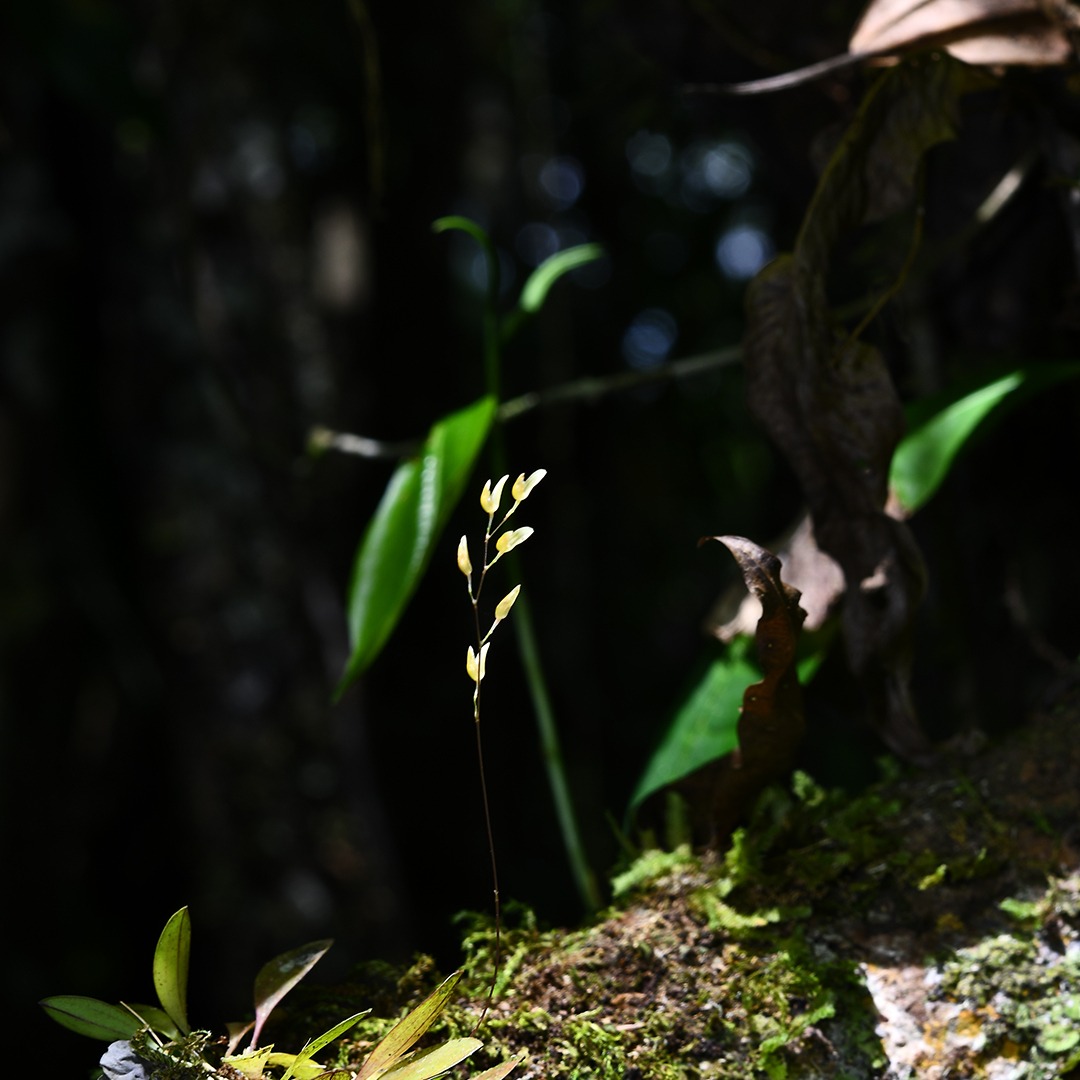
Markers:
point(771, 720)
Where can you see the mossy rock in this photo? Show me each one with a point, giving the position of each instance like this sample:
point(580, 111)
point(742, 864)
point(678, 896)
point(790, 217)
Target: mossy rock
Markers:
point(927, 928)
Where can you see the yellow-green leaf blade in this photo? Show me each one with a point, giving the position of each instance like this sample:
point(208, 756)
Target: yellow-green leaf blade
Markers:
point(406, 1031)
point(171, 968)
point(432, 1062)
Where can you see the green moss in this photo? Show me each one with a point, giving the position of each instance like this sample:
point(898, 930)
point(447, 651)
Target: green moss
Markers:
point(746, 965)
point(1026, 993)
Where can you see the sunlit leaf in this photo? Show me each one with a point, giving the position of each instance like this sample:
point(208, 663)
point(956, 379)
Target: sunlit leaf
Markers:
point(153, 1017)
point(925, 456)
point(705, 727)
point(299, 1064)
point(88, 1016)
point(279, 976)
point(438, 1059)
point(398, 542)
point(171, 968)
point(976, 31)
point(503, 1070)
point(406, 1031)
point(252, 1062)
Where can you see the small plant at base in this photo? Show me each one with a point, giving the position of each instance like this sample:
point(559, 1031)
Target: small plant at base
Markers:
point(147, 1042)
point(476, 659)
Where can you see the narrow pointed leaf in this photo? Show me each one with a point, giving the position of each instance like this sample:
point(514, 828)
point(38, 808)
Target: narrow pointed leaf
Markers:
point(90, 1017)
point(429, 1063)
point(313, 1047)
point(277, 977)
point(398, 543)
point(456, 222)
point(299, 1066)
point(535, 291)
point(407, 1030)
point(538, 284)
point(503, 1070)
point(171, 968)
point(924, 457)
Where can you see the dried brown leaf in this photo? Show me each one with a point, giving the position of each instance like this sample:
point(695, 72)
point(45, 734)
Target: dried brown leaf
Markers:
point(771, 721)
point(987, 32)
point(895, 25)
point(828, 400)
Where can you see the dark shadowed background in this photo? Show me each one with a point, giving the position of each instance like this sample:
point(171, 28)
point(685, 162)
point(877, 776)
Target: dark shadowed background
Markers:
point(215, 235)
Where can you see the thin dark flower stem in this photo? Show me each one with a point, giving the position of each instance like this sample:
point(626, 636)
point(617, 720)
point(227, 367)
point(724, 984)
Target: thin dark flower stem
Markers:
point(497, 960)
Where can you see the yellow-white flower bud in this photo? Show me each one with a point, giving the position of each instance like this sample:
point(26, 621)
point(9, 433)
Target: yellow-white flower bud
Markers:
point(490, 498)
point(463, 561)
point(511, 538)
point(477, 668)
point(523, 486)
point(502, 609)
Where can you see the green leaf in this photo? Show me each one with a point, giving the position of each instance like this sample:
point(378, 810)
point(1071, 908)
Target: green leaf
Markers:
point(924, 457)
point(251, 1063)
point(171, 968)
point(429, 1063)
point(463, 224)
point(278, 976)
point(406, 1031)
point(299, 1061)
point(153, 1017)
point(88, 1016)
point(503, 1070)
point(397, 545)
point(705, 727)
point(536, 288)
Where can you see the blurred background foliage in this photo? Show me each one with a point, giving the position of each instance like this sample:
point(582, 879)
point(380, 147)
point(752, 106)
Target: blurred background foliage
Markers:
point(215, 235)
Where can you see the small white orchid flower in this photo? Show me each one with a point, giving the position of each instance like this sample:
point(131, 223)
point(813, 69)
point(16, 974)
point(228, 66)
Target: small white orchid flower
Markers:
point(511, 538)
point(477, 668)
point(490, 498)
point(523, 486)
point(463, 561)
point(502, 609)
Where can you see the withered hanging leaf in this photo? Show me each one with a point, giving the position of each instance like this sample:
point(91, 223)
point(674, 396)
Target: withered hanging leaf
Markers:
point(871, 174)
point(771, 720)
point(828, 401)
point(1029, 33)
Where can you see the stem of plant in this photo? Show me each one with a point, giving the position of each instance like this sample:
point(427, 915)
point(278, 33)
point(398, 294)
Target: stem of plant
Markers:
point(541, 699)
point(552, 752)
point(496, 962)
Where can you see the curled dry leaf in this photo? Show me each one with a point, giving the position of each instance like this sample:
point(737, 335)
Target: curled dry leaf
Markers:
point(816, 575)
point(1031, 33)
point(771, 720)
point(987, 33)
